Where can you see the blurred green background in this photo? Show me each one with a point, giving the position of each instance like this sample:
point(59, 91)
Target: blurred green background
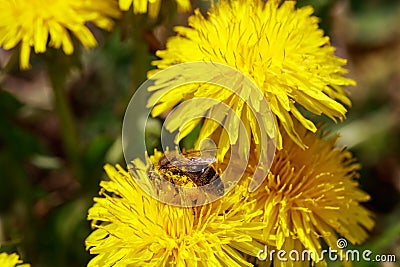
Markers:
point(45, 194)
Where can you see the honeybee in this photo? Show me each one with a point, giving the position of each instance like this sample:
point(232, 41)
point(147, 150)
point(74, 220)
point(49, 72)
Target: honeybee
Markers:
point(190, 169)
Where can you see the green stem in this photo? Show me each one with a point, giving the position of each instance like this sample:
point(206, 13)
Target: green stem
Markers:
point(57, 75)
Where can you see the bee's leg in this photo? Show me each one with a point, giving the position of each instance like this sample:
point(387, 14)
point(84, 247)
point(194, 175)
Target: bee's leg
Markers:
point(215, 176)
point(211, 176)
point(207, 176)
point(194, 211)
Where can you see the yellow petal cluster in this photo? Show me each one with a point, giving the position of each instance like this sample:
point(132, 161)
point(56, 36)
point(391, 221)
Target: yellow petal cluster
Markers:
point(151, 6)
point(133, 229)
point(39, 24)
point(11, 260)
point(312, 195)
point(278, 46)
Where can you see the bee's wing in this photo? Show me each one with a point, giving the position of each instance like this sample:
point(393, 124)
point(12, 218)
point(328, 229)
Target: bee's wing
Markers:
point(198, 164)
point(192, 161)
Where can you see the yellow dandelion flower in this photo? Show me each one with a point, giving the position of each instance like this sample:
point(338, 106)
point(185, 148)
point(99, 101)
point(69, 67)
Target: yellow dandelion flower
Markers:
point(132, 228)
point(312, 194)
point(38, 24)
point(279, 47)
point(151, 6)
point(11, 260)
